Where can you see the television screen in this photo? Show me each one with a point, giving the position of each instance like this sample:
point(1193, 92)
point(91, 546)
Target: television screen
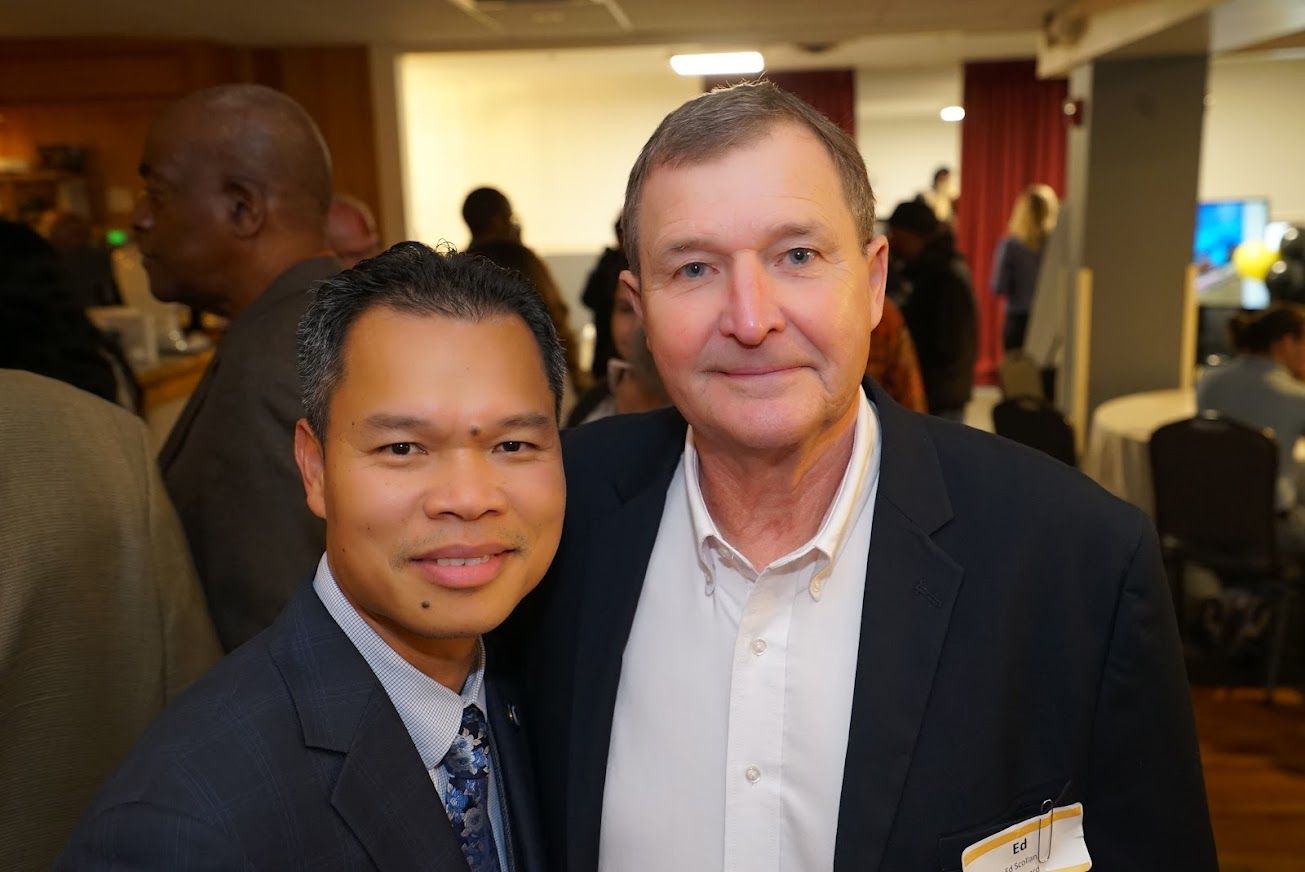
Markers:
point(1221, 226)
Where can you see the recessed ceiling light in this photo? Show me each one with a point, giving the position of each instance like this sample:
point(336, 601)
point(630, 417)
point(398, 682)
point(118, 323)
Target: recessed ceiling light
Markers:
point(718, 63)
point(952, 113)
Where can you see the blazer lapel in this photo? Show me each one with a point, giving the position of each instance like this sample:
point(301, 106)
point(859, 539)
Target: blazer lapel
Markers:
point(911, 586)
point(383, 791)
point(516, 776)
point(386, 797)
point(618, 547)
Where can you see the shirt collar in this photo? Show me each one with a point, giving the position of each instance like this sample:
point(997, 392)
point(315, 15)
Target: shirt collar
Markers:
point(850, 498)
point(431, 713)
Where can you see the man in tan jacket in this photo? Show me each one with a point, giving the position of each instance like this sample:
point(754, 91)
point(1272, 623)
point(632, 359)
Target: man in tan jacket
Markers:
point(101, 617)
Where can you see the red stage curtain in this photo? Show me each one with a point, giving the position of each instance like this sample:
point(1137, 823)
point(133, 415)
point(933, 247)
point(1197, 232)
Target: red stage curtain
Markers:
point(833, 92)
point(1013, 135)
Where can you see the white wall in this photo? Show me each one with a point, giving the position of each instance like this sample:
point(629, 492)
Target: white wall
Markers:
point(557, 139)
point(1255, 132)
point(899, 132)
point(558, 131)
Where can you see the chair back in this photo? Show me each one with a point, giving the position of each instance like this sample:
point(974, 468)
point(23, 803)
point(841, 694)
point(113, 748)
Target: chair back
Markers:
point(1214, 481)
point(1034, 422)
point(1019, 376)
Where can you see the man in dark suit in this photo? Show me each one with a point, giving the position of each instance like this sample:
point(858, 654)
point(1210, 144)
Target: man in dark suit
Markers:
point(792, 626)
point(232, 221)
point(368, 728)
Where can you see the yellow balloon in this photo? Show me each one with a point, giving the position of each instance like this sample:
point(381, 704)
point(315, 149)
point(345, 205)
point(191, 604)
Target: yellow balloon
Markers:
point(1253, 259)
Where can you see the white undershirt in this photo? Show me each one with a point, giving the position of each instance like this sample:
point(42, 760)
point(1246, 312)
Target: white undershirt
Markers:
point(732, 714)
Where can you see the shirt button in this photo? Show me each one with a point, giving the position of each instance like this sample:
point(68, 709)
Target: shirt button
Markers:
point(753, 774)
point(817, 585)
point(758, 646)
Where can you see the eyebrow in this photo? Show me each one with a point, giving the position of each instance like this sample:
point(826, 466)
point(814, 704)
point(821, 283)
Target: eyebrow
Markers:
point(697, 243)
point(386, 421)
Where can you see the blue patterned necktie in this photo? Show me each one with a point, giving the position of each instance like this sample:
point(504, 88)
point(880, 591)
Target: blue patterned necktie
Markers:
point(467, 799)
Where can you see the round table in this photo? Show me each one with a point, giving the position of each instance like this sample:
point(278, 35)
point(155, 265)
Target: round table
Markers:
point(1118, 437)
point(1117, 455)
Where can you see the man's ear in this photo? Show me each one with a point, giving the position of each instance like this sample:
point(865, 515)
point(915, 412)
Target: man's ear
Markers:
point(630, 282)
point(876, 259)
point(246, 206)
point(311, 459)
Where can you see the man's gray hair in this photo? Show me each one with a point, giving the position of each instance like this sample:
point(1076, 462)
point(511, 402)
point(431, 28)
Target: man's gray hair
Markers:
point(709, 126)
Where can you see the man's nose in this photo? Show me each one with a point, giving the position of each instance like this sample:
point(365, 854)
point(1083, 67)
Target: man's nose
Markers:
point(465, 487)
point(753, 310)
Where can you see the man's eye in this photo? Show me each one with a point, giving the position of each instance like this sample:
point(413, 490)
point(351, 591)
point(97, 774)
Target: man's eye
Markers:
point(512, 446)
point(695, 270)
point(800, 256)
point(399, 449)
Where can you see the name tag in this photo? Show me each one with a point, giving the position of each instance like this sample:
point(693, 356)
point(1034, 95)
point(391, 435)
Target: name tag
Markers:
point(1050, 842)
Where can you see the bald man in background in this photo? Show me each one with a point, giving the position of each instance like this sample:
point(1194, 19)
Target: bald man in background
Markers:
point(233, 221)
point(351, 230)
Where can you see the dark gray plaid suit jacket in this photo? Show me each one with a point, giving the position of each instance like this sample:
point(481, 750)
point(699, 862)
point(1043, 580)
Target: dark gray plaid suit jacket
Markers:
point(290, 755)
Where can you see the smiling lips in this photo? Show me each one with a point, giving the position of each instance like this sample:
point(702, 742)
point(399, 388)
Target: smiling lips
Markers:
point(463, 567)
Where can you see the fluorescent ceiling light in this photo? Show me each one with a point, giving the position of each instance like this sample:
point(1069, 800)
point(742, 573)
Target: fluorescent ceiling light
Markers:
point(718, 64)
point(952, 113)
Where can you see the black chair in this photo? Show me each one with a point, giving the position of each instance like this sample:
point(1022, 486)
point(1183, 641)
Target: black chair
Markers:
point(1214, 482)
point(1034, 422)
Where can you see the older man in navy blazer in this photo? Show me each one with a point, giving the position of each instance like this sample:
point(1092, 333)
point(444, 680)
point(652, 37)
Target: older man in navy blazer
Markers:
point(368, 728)
point(793, 627)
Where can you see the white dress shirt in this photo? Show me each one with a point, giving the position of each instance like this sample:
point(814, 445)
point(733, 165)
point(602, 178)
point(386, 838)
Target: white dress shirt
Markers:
point(732, 714)
point(431, 713)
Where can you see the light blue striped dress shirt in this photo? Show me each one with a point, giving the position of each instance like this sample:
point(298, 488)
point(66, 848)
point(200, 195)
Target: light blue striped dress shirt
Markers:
point(430, 712)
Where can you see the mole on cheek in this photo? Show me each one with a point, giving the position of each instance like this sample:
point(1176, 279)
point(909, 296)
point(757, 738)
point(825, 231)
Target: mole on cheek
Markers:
point(425, 604)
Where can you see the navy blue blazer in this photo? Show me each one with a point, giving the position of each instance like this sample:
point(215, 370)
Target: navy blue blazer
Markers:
point(290, 755)
point(1018, 644)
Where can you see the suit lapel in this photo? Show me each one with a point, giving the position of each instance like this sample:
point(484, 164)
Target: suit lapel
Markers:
point(617, 548)
point(911, 585)
point(386, 797)
point(520, 798)
point(383, 791)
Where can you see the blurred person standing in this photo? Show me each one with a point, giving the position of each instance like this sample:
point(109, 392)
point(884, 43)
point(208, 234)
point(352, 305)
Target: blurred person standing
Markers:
point(893, 363)
point(940, 196)
point(233, 221)
point(623, 324)
point(44, 329)
point(351, 230)
point(939, 308)
point(88, 267)
point(599, 296)
point(496, 235)
point(102, 620)
point(1018, 258)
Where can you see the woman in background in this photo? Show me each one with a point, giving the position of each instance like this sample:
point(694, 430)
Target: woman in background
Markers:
point(1019, 256)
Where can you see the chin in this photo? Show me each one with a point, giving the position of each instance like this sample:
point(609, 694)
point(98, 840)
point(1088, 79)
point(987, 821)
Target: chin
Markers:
point(460, 618)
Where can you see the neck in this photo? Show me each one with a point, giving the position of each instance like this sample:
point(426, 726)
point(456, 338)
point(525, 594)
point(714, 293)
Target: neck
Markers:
point(266, 266)
point(448, 661)
point(766, 504)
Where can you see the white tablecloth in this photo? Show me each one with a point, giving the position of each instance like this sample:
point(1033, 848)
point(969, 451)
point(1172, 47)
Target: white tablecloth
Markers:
point(1118, 437)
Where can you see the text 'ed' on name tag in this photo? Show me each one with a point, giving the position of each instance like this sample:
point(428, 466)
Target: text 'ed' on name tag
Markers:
point(1050, 842)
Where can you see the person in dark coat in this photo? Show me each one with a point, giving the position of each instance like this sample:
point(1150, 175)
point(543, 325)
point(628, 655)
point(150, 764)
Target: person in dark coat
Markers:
point(939, 309)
